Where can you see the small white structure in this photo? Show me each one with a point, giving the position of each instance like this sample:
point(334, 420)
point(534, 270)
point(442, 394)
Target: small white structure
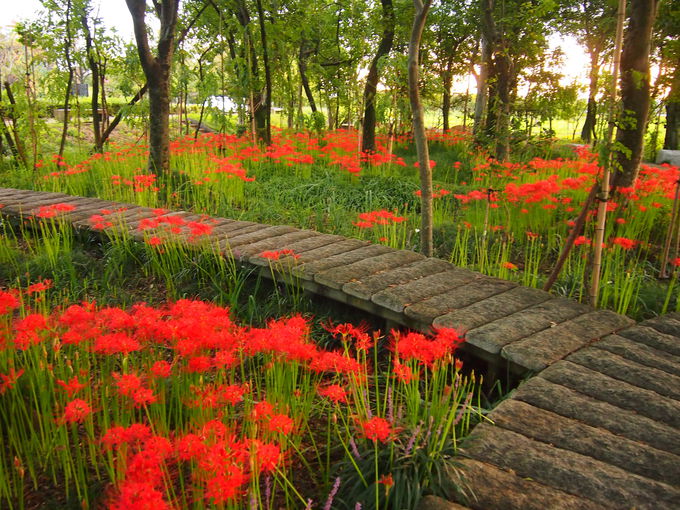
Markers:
point(222, 103)
point(670, 157)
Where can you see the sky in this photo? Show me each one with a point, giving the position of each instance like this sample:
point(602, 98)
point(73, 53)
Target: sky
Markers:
point(115, 14)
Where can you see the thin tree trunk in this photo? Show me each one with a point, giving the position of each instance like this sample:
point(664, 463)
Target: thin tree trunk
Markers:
point(588, 133)
point(600, 225)
point(267, 102)
point(482, 88)
point(302, 67)
point(673, 113)
point(18, 143)
point(370, 90)
point(69, 81)
point(634, 90)
point(94, 69)
point(426, 228)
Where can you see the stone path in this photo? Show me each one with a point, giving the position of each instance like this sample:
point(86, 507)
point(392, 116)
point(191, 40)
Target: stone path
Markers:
point(597, 427)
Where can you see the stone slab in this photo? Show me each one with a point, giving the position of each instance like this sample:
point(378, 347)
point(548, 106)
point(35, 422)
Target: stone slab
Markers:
point(302, 246)
point(548, 346)
point(540, 392)
point(366, 286)
point(459, 297)
point(568, 471)
point(493, 308)
point(400, 296)
point(337, 276)
point(629, 371)
point(251, 251)
point(654, 336)
point(309, 269)
point(259, 235)
point(343, 245)
point(576, 436)
point(493, 336)
point(616, 392)
point(31, 207)
point(668, 156)
point(493, 488)
point(640, 353)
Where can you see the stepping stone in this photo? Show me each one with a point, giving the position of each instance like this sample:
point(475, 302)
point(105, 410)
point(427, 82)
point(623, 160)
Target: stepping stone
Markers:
point(493, 336)
point(575, 436)
point(336, 254)
point(254, 236)
point(568, 471)
point(400, 296)
point(493, 488)
point(337, 276)
point(540, 392)
point(654, 336)
point(492, 309)
point(366, 286)
point(252, 251)
point(544, 348)
point(619, 393)
point(302, 246)
point(427, 310)
point(623, 369)
point(640, 353)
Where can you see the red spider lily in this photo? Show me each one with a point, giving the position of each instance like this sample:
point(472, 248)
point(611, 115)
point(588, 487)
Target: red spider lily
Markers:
point(403, 372)
point(276, 255)
point(377, 429)
point(7, 381)
point(623, 242)
point(28, 329)
point(99, 222)
point(582, 240)
point(386, 480)
point(333, 392)
point(161, 369)
point(266, 455)
point(72, 387)
point(39, 287)
point(427, 351)
point(139, 495)
point(130, 385)
point(116, 343)
point(76, 411)
point(154, 241)
point(280, 423)
point(509, 265)
point(8, 302)
point(50, 211)
point(117, 435)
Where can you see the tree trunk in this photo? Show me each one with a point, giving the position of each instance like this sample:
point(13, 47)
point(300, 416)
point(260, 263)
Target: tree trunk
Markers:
point(94, 69)
point(588, 133)
point(69, 82)
point(370, 90)
point(482, 88)
point(302, 67)
point(673, 113)
point(426, 243)
point(634, 90)
point(267, 102)
point(447, 79)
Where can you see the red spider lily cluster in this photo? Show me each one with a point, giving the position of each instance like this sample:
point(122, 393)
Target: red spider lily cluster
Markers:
point(381, 217)
point(115, 372)
point(50, 211)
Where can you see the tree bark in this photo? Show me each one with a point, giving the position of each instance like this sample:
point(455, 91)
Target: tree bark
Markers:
point(267, 102)
point(302, 67)
point(157, 71)
point(426, 228)
point(69, 82)
point(447, 79)
point(634, 90)
point(481, 101)
point(673, 113)
point(370, 90)
point(588, 133)
point(94, 69)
